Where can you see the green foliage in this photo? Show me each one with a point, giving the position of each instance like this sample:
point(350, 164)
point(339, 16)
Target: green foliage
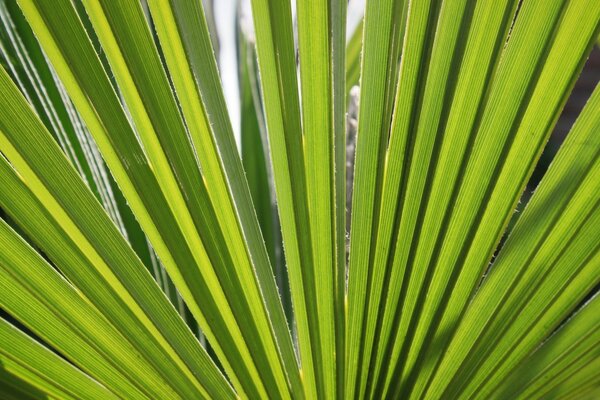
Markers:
point(142, 255)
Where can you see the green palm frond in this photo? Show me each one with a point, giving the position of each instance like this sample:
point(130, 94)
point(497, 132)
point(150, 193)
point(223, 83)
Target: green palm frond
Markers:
point(144, 255)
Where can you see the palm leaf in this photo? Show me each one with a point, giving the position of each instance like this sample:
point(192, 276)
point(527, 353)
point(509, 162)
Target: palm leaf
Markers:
point(130, 221)
point(22, 356)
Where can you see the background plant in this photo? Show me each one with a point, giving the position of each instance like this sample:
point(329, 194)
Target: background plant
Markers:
point(142, 257)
